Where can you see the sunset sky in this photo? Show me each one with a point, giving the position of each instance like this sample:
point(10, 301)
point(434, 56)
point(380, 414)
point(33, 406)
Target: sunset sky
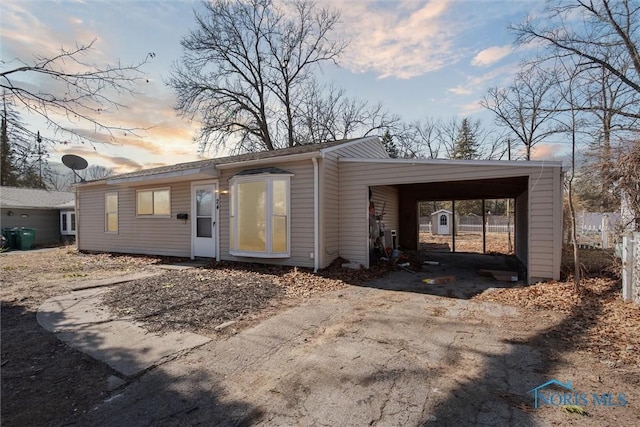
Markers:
point(419, 58)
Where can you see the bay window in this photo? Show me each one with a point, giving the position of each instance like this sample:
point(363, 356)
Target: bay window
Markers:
point(259, 214)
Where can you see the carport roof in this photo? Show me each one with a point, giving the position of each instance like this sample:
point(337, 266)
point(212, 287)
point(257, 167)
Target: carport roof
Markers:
point(505, 163)
point(471, 189)
point(494, 188)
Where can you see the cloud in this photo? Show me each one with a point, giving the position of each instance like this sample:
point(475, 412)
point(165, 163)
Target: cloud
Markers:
point(549, 151)
point(497, 76)
point(23, 32)
point(491, 55)
point(461, 90)
point(401, 39)
point(118, 163)
point(471, 108)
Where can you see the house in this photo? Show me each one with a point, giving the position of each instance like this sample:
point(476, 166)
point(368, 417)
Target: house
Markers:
point(441, 222)
point(50, 213)
point(307, 205)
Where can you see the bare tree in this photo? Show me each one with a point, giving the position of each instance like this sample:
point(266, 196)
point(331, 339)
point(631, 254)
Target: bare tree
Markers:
point(243, 68)
point(327, 113)
point(572, 124)
point(628, 179)
point(603, 38)
point(421, 139)
point(527, 108)
point(607, 38)
point(78, 91)
point(97, 172)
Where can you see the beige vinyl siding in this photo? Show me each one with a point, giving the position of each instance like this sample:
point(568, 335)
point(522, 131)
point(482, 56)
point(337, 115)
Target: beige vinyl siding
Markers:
point(151, 236)
point(330, 197)
point(330, 205)
point(544, 203)
point(301, 212)
point(545, 224)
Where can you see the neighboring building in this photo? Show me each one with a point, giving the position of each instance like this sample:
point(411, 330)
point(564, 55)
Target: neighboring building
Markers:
point(441, 223)
point(307, 205)
point(50, 213)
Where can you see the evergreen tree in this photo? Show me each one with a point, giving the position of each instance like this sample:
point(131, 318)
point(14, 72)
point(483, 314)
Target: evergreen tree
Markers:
point(389, 145)
point(465, 146)
point(24, 154)
point(8, 173)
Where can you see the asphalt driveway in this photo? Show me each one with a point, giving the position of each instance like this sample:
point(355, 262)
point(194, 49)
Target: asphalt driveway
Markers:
point(359, 356)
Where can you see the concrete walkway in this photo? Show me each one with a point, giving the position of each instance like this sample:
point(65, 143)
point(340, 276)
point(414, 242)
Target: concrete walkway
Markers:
point(80, 320)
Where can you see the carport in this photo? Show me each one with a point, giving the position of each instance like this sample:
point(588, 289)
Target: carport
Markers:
point(399, 184)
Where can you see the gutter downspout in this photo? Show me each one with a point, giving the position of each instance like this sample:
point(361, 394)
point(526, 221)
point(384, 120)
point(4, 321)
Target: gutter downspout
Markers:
point(316, 214)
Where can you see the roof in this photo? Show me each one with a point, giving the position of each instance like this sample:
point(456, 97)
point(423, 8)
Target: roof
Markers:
point(260, 171)
point(35, 198)
point(208, 163)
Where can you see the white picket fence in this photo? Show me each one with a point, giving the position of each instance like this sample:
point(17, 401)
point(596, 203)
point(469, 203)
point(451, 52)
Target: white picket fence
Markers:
point(495, 224)
point(597, 230)
point(631, 267)
point(472, 228)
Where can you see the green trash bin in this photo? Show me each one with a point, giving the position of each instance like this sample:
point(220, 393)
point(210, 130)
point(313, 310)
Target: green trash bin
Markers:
point(9, 233)
point(25, 238)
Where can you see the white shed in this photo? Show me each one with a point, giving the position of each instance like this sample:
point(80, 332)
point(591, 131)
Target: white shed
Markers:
point(442, 223)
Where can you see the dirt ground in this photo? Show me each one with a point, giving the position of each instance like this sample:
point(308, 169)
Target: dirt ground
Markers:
point(44, 382)
point(467, 242)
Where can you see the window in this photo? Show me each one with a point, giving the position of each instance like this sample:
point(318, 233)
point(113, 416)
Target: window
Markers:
point(67, 223)
point(259, 215)
point(153, 202)
point(111, 212)
point(443, 219)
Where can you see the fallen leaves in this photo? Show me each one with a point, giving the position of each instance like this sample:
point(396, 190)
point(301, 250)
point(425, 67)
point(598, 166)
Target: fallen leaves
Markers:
point(200, 299)
point(596, 319)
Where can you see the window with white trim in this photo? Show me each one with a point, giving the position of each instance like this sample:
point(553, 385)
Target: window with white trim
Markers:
point(111, 212)
point(67, 223)
point(155, 202)
point(259, 215)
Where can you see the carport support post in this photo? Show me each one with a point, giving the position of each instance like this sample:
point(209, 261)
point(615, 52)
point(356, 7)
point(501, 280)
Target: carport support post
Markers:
point(484, 227)
point(453, 226)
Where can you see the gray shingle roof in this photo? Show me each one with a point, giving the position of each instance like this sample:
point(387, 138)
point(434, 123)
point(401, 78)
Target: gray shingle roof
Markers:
point(300, 149)
point(15, 197)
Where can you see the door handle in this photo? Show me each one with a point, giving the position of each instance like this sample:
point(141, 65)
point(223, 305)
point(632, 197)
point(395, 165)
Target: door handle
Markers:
point(213, 224)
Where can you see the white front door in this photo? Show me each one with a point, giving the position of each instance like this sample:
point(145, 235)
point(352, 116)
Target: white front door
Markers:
point(443, 224)
point(203, 223)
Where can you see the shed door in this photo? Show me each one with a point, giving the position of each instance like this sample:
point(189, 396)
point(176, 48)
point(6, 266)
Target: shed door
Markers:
point(443, 224)
point(203, 223)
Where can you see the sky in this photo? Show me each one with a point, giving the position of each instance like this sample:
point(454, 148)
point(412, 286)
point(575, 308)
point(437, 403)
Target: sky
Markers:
point(427, 58)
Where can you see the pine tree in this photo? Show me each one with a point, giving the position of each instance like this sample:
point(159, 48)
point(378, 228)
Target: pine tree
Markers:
point(24, 153)
point(8, 172)
point(465, 146)
point(389, 145)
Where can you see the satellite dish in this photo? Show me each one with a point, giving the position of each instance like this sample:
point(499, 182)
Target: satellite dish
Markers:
point(73, 162)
